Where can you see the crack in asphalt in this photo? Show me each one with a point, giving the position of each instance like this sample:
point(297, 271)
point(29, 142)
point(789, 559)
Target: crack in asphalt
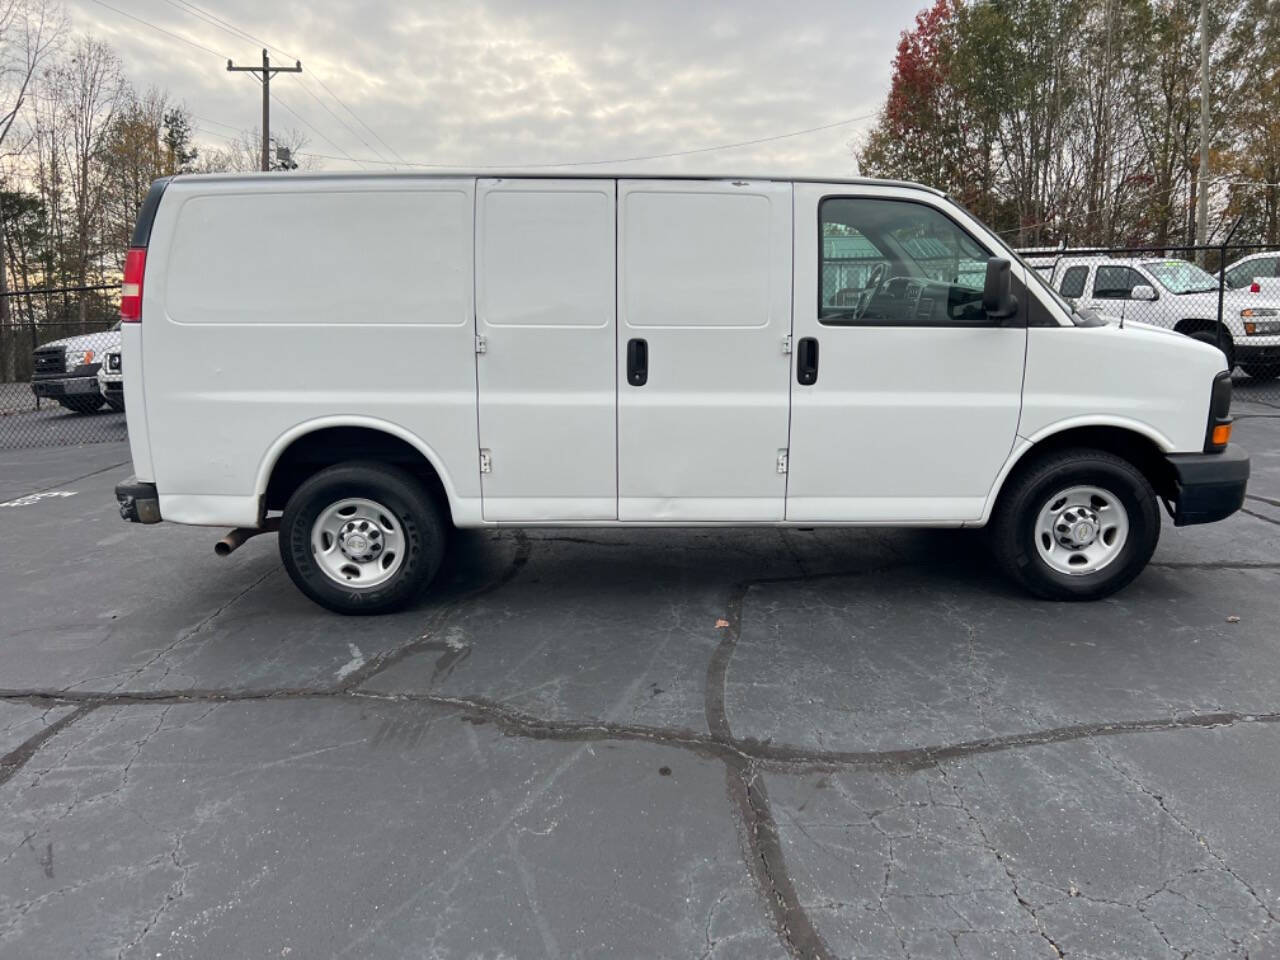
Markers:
point(1259, 516)
point(770, 756)
point(746, 759)
point(439, 617)
point(16, 759)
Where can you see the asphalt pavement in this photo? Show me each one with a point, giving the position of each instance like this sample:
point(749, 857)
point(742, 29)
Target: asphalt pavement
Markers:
point(632, 743)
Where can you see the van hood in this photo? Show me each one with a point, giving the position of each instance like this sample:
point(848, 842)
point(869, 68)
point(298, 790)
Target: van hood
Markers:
point(1151, 328)
point(98, 342)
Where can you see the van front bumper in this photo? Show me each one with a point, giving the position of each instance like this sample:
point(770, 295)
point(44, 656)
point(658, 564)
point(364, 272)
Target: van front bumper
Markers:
point(139, 501)
point(1209, 486)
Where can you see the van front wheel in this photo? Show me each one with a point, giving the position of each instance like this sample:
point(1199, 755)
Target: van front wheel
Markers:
point(1076, 525)
point(361, 538)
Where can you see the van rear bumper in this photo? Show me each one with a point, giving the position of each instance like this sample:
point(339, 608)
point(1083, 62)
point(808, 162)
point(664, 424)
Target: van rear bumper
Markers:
point(1210, 486)
point(139, 501)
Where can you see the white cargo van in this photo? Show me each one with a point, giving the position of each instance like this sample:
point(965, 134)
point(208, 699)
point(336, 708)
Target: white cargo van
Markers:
point(363, 361)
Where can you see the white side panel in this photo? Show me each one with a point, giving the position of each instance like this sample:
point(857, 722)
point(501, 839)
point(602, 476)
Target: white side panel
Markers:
point(704, 279)
point(135, 407)
point(1154, 381)
point(545, 307)
point(274, 303)
point(904, 423)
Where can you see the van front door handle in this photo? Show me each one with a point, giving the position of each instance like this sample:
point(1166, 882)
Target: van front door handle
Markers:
point(807, 362)
point(637, 362)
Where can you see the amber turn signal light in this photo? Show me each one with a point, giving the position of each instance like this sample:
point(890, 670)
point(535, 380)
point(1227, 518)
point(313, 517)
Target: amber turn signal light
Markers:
point(1221, 435)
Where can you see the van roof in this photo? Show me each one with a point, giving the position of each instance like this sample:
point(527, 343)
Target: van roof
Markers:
point(546, 173)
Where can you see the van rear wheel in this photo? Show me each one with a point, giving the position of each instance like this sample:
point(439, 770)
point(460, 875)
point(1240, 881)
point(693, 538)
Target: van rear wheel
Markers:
point(361, 538)
point(1076, 525)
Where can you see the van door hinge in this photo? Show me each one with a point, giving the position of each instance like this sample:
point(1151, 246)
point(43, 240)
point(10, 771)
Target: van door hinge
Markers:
point(486, 462)
point(482, 344)
point(786, 343)
point(782, 461)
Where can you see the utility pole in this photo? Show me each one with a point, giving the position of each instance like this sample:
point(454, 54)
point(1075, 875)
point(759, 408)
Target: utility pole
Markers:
point(1202, 200)
point(266, 72)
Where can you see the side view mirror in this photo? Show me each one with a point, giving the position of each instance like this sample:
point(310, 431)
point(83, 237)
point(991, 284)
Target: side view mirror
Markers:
point(997, 298)
point(1142, 291)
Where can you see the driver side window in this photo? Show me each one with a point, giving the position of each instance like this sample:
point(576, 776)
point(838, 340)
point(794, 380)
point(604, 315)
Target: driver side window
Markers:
point(897, 263)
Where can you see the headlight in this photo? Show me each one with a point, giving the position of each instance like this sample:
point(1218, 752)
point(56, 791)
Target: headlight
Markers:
point(1260, 320)
point(76, 358)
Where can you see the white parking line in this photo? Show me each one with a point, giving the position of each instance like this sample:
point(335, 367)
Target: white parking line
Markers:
point(31, 498)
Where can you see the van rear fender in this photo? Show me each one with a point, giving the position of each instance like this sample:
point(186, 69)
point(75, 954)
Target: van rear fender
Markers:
point(311, 446)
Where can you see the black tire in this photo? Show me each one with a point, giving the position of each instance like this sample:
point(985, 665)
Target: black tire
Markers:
point(1261, 371)
point(1211, 338)
point(84, 403)
point(1028, 491)
point(420, 520)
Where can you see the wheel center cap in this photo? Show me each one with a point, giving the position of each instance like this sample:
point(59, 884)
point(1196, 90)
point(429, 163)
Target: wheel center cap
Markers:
point(357, 543)
point(1077, 528)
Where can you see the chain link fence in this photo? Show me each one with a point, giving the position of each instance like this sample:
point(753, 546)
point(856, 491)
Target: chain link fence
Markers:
point(1226, 295)
point(61, 379)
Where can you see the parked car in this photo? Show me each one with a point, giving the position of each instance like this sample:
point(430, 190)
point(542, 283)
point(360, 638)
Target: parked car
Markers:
point(67, 370)
point(111, 379)
point(415, 352)
point(1244, 272)
point(1179, 296)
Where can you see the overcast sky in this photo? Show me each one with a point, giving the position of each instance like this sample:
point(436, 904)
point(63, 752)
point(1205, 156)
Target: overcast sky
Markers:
point(531, 81)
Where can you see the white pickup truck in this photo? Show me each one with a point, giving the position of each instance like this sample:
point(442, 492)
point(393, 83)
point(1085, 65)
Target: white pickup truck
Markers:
point(408, 353)
point(1178, 295)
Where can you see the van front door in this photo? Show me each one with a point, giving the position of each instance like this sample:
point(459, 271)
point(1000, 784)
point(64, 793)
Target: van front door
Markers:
point(545, 310)
point(906, 395)
point(704, 310)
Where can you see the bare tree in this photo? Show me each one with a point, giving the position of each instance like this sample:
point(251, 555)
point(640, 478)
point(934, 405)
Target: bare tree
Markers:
point(90, 90)
point(29, 30)
point(244, 153)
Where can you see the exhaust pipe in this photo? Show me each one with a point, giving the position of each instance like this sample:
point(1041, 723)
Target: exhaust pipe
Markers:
point(236, 538)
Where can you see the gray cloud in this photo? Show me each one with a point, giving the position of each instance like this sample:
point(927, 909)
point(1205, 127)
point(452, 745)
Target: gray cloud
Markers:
point(517, 82)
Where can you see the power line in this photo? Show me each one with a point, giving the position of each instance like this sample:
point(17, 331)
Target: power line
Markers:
point(230, 28)
point(221, 56)
point(167, 33)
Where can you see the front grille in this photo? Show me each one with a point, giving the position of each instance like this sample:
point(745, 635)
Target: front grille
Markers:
point(50, 360)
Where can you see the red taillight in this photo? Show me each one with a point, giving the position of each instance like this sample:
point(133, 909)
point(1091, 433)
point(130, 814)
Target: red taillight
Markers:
point(1255, 287)
point(135, 264)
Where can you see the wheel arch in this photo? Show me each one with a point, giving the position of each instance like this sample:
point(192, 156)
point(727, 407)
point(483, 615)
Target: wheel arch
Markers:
point(1189, 325)
point(315, 444)
point(1138, 443)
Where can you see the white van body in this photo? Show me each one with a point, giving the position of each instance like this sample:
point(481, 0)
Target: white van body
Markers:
point(489, 322)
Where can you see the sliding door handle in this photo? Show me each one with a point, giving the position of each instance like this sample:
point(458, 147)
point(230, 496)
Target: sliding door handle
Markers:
point(637, 362)
point(807, 362)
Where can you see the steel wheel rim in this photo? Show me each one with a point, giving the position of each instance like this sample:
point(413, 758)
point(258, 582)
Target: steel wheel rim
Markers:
point(1081, 530)
point(358, 543)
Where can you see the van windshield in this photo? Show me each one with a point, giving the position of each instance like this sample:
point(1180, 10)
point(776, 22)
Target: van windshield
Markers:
point(1179, 276)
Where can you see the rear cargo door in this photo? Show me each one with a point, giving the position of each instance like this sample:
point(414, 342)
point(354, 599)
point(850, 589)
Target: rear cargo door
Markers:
point(545, 361)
